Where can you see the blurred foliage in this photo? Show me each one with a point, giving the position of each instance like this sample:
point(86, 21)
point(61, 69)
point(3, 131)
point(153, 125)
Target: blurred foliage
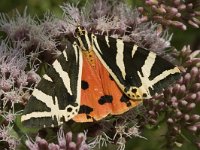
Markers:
point(191, 37)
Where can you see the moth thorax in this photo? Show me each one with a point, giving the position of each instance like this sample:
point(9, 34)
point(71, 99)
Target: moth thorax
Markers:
point(90, 56)
point(84, 42)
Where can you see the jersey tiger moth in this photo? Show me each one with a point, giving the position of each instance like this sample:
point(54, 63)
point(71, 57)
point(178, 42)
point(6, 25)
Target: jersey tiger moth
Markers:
point(96, 76)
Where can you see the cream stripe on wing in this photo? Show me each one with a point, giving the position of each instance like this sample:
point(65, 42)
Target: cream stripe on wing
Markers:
point(120, 57)
point(75, 46)
point(146, 68)
point(146, 72)
point(97, 51)
point(64, 75)
point(46, 77)
point(65, 55)
point(107, 41)
point(54, 107)
point(164, 74)
point(87, 40)
point(78, 99)
point(94, 38)
point(134, 49)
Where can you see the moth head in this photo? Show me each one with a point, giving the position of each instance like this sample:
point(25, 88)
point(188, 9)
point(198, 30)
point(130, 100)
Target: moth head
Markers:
point(80, 31)
point(83, 38)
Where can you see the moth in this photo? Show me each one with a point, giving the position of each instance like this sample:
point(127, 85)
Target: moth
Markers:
point(96, 76)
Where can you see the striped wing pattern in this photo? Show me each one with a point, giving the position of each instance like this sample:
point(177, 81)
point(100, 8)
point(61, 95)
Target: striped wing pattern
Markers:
point(138, 72)
point(57, 96)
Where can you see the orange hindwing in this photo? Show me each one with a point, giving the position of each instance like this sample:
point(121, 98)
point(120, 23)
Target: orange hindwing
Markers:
point(100, 95)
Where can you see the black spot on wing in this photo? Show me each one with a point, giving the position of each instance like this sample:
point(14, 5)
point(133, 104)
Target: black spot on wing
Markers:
point(111, 78)
point(85, 109)
point(88, 116)
point(105, 99)
point(144, 95)
point(134, 90)
point(84, 85)
point(69, 109)
point(125, 99)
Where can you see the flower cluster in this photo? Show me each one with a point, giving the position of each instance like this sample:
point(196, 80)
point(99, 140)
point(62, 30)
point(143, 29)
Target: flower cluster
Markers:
point(116, 20)
point(13, 88)
point(64, 142)
point(36, 39)
point(113, 132)
point(6, 136)
point(179, 102)
point(177, 13)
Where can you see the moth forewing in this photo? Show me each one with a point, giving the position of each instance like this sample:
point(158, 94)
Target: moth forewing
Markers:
point(57, 96)
point(137, 71)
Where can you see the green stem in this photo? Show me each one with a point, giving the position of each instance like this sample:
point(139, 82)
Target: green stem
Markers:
point(20, 133)
point(185, 138)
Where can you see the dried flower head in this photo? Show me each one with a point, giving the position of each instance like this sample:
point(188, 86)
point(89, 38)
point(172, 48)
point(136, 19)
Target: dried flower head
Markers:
point(6, 136)
point(64, 142)
point(117, 20)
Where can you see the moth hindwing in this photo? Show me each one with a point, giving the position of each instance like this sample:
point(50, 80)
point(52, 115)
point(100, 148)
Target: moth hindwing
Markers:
point(139, 73)
point(57, 96)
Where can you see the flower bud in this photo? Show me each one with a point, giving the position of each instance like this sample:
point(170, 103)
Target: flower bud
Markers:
point(33, 77)
point(178, 113)
point(186, 117)
point(153, 121)
point(42, 144)
point(198, 144)
point(68, 137)
point(182, 7)
point(197, 125)
point(152, 113)
point(72, 146)
point(176, 2)
point(198, 97)
point(191, 97)
point(80, 138)
point(176, 89)
point(187, 78)
point(170, 120)
point(190, 6)
point(192, 128)
point(193, 24)
point(195, 87)
point(183, 102)
point(182, 90)
point(191, 106)
point(53, 146)
point(151, 2)
point(194, 117)
point(194, 72)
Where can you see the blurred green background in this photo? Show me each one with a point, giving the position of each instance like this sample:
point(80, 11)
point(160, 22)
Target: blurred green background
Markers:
point(180, 38)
